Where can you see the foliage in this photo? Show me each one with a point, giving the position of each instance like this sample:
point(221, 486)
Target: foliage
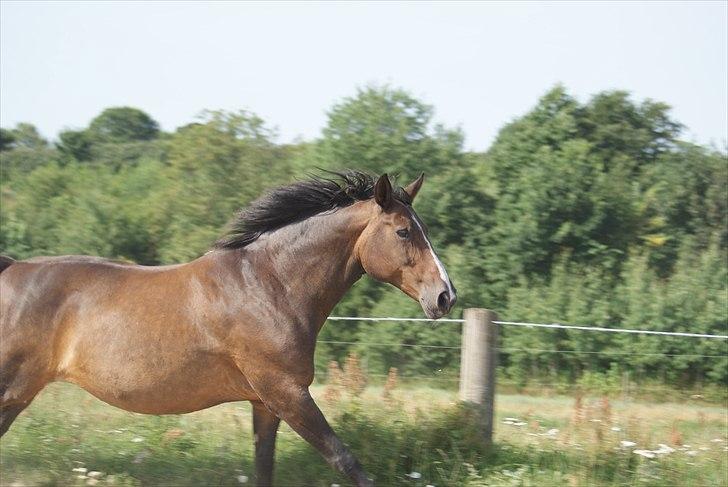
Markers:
point(123, 124)
point(585, 213)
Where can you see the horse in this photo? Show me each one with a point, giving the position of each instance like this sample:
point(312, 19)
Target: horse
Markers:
point(237, 324)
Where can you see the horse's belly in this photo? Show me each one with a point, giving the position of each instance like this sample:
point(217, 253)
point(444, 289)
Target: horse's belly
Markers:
point(157, 388)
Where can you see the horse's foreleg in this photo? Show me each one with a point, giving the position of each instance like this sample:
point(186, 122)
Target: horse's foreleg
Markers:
point(294, 405)
point(265, 427)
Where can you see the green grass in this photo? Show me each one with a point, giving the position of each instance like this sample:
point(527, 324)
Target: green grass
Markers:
point(420, 430)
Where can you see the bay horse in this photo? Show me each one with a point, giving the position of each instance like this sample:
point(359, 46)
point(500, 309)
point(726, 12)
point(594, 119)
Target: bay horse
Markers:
point(237, 324)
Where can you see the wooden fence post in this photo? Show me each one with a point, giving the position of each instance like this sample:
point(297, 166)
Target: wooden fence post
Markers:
point(478, 360)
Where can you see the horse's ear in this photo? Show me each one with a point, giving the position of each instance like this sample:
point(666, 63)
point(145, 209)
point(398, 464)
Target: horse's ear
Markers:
point(414, 187)
point(383, 191)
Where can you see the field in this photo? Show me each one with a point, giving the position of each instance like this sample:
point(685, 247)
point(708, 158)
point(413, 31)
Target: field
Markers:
point(415, 436)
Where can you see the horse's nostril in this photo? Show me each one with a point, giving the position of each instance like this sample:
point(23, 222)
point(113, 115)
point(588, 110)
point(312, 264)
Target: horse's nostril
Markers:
point(443, 300)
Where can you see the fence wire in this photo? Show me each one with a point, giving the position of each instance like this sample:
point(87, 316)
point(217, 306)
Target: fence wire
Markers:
point(539, 325)
point(510, 349)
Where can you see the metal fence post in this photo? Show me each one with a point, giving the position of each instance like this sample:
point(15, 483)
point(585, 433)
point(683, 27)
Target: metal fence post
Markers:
point(478, 361)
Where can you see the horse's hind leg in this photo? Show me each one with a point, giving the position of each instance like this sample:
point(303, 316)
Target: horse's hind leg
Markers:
point(8, 415)
point(19, 384)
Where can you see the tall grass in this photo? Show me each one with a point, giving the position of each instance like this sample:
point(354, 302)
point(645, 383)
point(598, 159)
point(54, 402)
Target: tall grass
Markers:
point(404, 436)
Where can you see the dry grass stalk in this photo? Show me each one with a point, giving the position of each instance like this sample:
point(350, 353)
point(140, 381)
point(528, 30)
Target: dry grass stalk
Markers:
point(578, 413)
point(334, 382)
point(605, 408)
point(676, 437)
point(390, 384)
point(355, 380)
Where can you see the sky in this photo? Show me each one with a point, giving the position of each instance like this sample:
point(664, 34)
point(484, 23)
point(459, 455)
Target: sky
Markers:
point(479, 64)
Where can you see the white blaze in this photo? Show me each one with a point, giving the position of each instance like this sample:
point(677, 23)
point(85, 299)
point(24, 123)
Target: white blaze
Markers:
point(440, 267)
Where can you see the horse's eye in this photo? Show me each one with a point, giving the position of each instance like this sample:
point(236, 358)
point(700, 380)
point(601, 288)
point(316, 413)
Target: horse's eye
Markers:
point(403, 232)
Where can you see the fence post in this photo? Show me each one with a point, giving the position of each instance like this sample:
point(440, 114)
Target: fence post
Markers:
point(478, 360)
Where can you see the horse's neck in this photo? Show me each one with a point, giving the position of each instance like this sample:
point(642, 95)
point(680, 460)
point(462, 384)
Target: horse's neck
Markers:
point(314, 260)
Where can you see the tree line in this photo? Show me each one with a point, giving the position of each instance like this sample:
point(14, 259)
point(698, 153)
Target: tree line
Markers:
point(587, 213)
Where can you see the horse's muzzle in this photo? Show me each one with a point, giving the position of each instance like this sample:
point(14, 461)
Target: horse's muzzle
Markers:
point(442, 304)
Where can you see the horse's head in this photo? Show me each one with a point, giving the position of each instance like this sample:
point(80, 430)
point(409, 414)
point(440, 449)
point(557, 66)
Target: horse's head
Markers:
point(394, 248)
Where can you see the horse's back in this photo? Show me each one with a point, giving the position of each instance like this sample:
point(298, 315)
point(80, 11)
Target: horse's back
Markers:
point(36, 295)
point(74, 259)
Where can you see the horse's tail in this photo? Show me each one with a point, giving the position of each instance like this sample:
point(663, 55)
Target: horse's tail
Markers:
point(5, 262)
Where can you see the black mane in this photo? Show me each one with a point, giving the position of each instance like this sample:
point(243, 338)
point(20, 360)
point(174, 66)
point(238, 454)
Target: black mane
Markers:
point(299, 201)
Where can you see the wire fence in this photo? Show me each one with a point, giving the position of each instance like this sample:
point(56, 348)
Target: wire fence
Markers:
point(511, 349)
point(530, 385)
point(540, 325)
point(531, 325)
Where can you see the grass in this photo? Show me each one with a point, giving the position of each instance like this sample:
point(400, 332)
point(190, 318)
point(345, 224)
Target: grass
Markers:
point(418, 436)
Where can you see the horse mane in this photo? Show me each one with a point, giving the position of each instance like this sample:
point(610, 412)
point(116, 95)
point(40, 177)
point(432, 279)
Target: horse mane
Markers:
point(298, 201)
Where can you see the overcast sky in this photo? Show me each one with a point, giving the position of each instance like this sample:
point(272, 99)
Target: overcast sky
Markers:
point(479, 64)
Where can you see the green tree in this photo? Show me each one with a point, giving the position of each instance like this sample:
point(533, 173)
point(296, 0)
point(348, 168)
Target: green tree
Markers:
point(26, 135)
point(216, 167)
point(382, 129)
point(74, 145)
point(7, 139)
point(123, 124)
point(567, 179)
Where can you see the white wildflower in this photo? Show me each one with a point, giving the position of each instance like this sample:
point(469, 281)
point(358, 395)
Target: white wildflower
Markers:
point(414, 475)
point(616, 428)
point(552, 432)
point(335, 485)
point(663, 449)
point(243, 479)
point(139, 458)
point(627, 444)
point(80, 470)
point(717, 440)
point(511, 419)
point(137, 439)
point(644, 453)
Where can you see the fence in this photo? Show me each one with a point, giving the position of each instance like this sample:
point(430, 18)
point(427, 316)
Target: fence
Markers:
point(479, 352)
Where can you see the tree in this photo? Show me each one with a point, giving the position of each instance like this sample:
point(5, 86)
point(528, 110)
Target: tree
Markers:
point(215, 168)
point(7, 139)
point(122, 124)
point(74, 145)
point(566, 178)
point(382, 129)
point(26, 135)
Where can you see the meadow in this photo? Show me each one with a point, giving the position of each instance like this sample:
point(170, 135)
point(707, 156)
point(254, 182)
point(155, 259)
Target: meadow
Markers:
point(409, 435)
